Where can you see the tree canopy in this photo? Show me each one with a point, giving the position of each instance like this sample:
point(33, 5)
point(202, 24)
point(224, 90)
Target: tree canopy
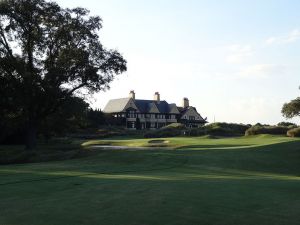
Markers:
point(48, 54)
point(291, 109)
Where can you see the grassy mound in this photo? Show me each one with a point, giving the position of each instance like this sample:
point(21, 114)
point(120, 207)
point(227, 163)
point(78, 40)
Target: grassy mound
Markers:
point(172, 130)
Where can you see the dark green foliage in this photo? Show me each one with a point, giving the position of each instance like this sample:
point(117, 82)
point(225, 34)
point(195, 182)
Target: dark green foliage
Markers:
point(291, 109)
point(95, 118)
point(172, 130)
point(226, 129)
point(258, 129)
point(295, 132)
point(70, 116)
point(213, 129)
point(287, 124)
point(58, 53)
point(163, 133)
point(195, 132)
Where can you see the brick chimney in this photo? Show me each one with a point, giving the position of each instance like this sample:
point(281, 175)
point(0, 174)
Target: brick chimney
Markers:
point(185, 103)
point(132, 94)
point(157, 97)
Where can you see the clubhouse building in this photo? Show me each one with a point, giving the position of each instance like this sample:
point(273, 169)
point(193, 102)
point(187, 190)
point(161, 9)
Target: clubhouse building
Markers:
point(152, 114)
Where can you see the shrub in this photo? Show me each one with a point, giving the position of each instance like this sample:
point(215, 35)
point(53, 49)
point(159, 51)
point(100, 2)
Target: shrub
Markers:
point(174, 125)
point(287, 124)
point(162, 133)
point(226, 129)
point(172, 130)
point(201, 131)
point(295, 132)
point(257, 129)
point(214, 129)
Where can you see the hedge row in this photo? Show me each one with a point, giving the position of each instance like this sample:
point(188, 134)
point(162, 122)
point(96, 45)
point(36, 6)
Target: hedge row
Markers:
point(214, 129)
point(224, 130)
point(172, 130)
point(254, 130)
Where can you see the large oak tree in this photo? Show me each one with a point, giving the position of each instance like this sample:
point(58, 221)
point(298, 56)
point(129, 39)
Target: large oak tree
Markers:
point(47, 54)
point(292, 108)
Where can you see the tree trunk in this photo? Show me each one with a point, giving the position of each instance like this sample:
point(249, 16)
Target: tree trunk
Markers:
point(31, 136)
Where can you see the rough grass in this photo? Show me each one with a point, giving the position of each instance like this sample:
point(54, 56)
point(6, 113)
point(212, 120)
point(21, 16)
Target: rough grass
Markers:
point(250, 180)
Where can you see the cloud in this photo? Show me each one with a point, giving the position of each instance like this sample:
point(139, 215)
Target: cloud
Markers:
point(291, 37)
point(261, 71)
point(238, 53)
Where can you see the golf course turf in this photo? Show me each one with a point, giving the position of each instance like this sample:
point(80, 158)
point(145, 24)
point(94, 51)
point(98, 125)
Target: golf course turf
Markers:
point(224, 181)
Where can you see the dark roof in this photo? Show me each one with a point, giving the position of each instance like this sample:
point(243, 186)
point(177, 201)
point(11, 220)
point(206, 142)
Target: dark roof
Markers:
point(118, 105)
point(183, 110)
point(145, 105)
point(180, 109)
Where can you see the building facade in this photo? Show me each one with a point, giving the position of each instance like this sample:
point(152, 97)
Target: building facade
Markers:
point(152, 114)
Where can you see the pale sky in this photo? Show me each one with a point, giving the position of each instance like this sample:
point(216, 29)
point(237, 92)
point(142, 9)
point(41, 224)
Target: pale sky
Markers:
point(236, 60)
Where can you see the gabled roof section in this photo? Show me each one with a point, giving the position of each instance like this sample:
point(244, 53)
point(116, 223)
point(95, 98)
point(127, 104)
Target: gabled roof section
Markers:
point(163, 106)
point(116, 105)
point(184, 111)
point(131, 104)
point(153, 108)
point(173, 109)
point(190, 111)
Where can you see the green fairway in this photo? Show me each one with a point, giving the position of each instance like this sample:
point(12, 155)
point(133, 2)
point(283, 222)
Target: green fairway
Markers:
point(242, 181)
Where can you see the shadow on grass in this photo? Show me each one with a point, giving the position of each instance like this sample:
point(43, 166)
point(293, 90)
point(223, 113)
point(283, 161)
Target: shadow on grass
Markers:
point(276, 162)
